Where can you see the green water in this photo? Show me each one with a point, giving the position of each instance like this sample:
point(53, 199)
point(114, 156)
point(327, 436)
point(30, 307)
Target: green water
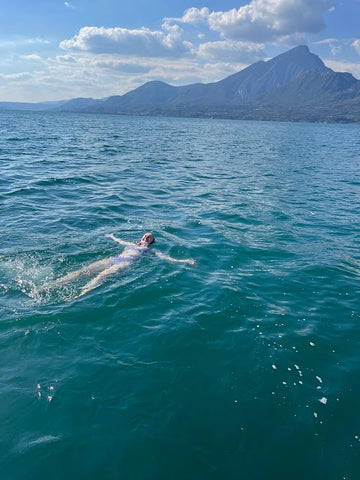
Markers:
point(243, 367)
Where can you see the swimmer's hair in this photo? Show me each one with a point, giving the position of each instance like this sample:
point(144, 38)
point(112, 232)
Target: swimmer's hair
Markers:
point(148, 233)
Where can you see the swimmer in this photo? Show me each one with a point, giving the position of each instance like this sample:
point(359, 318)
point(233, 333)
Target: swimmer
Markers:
point(109, 266)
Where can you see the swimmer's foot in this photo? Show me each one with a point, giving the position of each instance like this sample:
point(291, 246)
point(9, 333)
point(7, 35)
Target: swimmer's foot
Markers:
point(83, 292)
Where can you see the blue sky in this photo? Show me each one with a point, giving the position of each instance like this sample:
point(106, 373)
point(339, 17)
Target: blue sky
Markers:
point(55, 50)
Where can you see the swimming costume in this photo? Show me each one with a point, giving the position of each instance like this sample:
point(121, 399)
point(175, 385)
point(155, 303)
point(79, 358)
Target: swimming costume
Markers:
point(121, 259)
point(139, 249)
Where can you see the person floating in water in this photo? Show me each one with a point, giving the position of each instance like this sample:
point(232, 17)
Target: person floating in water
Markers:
point(109, 266)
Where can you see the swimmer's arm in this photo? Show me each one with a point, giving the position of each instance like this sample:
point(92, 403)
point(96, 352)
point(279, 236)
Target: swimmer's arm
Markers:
point(161, 255)
point(118, 240)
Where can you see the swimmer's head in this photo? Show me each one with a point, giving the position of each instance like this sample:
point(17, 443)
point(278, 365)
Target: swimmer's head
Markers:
point(147, 239)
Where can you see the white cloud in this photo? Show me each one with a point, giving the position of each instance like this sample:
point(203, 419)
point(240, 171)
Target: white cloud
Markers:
point(356, 45)
point(37, 40)
point(344, 66)
point(16, 76)
point(21, 43)
point(263, 20)
point(195, 15)
point(32, 57)
point(142, 42)
point(112, 63)
point(231, 51)
point(124, 68)
point(333, 44)
point(65, 58)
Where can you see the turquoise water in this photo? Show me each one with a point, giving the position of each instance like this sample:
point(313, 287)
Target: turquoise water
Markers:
point(245, 366)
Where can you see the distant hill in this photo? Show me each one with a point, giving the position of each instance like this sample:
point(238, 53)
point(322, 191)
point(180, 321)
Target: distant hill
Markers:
point(294, 86)
point(42, 106)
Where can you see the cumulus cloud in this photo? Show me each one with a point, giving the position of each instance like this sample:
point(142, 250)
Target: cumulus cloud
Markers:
point(142, 42)
point(263, 20)
point(195, 15)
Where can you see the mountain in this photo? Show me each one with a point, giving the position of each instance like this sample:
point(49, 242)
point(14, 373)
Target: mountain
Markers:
point(38, 107)
point(294, 86)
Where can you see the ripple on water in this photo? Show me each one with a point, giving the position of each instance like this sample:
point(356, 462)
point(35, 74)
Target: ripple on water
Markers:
point(261, 336)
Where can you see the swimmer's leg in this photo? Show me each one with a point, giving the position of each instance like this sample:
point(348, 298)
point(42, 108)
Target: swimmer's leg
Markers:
point(97, 281)
point(85, 271)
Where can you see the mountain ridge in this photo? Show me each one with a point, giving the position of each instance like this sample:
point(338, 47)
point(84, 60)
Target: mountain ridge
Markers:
point(293, 86)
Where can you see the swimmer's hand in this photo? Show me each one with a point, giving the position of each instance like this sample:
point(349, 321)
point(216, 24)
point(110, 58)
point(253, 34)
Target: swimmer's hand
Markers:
point(161, 255)
point(191, 262)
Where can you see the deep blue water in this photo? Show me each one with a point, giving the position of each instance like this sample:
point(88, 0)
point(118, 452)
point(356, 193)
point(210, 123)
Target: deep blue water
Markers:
point(245, 366)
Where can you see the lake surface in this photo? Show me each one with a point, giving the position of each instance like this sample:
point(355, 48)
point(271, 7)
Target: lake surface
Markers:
point(245, 366)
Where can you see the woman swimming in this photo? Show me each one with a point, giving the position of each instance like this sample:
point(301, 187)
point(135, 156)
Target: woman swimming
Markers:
point(109, 266)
